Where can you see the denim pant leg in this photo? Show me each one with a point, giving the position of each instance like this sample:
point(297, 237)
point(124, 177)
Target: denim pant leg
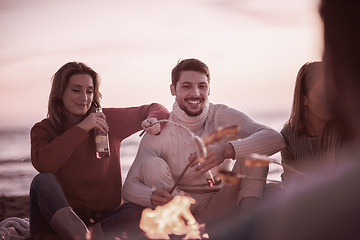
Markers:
point(123, 221)
point(46, 197)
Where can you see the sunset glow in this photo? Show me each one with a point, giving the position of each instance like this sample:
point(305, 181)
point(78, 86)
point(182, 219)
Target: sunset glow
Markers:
point(253, 48)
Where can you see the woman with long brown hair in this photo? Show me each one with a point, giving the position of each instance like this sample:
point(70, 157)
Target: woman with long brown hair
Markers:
point(76, 195)
point(312, 139)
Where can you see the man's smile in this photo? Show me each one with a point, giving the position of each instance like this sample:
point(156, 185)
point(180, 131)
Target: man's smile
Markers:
point(194, 101)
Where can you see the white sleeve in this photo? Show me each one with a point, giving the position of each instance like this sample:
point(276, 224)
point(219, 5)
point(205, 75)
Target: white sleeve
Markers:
point(253, 137)
point(134, 190)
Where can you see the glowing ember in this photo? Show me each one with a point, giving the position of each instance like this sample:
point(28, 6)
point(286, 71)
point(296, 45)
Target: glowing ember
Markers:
point(257, 160)
point(213, 180)
point(229, 177)
point(220, 133)
point(172, 218)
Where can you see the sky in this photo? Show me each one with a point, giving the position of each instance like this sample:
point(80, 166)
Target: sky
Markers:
point(253, 48)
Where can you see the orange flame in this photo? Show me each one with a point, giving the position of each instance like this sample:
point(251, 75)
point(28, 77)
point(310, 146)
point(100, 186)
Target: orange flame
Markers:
point(257, 160)
point(172, 218)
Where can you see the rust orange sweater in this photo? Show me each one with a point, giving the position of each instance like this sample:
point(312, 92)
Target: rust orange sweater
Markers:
point(88, 182)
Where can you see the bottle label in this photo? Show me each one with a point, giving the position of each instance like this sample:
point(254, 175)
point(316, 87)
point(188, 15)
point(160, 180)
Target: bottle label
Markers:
point(101, 139)
point(102, 144)
point(102, 149)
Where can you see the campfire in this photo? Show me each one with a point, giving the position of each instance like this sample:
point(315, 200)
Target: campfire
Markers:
point(174, 218)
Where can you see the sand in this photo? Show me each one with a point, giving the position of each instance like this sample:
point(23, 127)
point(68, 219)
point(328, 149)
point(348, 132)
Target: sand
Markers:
point(14, 207)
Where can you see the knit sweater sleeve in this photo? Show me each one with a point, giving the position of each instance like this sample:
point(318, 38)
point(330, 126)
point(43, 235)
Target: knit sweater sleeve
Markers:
point(50, 151)
point(134, 189)
point(253, 137)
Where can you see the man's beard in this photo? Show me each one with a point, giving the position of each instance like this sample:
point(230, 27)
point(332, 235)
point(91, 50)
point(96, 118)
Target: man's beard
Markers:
point(190, 113)
point(193, 114)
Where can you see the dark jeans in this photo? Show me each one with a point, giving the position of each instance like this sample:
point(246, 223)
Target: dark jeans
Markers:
point(47, 196)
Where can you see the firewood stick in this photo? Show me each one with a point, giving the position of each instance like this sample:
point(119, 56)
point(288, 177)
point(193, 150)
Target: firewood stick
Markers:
point(181, 175)
point(209, 139)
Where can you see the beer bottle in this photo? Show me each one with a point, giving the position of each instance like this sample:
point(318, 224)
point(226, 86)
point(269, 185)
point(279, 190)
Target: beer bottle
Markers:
point(102, 142)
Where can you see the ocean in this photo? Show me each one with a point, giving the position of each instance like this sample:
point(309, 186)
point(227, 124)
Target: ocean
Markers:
point(16, 171)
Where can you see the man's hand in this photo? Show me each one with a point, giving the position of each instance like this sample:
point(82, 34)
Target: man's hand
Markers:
point(151, 125)
point(216, 154)
point(160, 197)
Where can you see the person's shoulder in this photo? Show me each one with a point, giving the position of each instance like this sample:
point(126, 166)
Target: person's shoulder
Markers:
point(43, 126)
point(223, 110)
point(45, 123)
point(223, 107)
point(218, 107)
point(291, 134)
point(150, 142)
point(287, 130)
point(167, 131)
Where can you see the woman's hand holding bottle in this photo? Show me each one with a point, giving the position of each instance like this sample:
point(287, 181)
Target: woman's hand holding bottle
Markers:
point(95, 120)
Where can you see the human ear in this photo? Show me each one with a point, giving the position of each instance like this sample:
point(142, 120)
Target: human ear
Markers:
point(172, 90)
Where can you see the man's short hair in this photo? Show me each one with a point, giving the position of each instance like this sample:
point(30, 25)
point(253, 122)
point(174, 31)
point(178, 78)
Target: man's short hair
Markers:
point(190, 64)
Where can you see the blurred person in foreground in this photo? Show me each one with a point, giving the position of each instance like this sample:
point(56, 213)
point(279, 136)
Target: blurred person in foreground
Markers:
point(327, 208)
point(313, 140)
point(76, 194)
point(162, 158)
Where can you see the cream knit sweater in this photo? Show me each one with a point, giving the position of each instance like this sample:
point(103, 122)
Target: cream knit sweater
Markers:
point(174, 145)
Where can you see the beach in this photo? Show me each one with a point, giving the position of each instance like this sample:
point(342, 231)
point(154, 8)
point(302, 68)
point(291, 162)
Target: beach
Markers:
point(14, 207)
